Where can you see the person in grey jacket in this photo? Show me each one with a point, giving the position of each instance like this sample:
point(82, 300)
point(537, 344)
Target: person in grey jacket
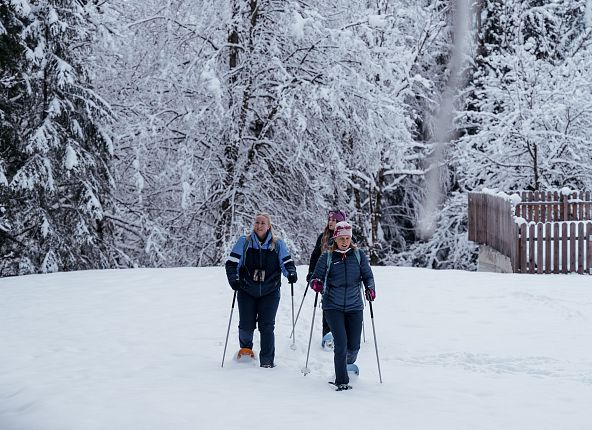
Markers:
point(342, 298)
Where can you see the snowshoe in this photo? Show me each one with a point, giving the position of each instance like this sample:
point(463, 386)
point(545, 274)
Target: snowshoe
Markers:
point(327, 342)
point(353, 368)
point(245, 355)
point(267, 365)
point(341, 387)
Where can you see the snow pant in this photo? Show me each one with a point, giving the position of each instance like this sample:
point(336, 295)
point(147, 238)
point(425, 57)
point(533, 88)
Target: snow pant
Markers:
point(260, 311)
point(326, 328)
point(347, 331)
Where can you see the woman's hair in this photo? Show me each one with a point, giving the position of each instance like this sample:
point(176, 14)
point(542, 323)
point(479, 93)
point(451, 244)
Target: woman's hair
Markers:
point(327, 234)
point(274, 238)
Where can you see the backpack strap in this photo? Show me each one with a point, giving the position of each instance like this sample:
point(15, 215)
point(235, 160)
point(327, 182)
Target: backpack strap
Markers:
point(329, 258)
point(357, 254)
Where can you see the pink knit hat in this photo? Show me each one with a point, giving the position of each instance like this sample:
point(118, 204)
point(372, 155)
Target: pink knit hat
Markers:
point(342, 228)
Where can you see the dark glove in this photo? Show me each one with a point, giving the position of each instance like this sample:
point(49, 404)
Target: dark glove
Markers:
point(292, 277)
point(236, 284)
point(308, 277)
point(317, 285)
point(370, 294)
point(243, 272)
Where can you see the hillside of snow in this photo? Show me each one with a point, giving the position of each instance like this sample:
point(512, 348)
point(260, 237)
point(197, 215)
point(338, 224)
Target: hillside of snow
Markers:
point(141, 350)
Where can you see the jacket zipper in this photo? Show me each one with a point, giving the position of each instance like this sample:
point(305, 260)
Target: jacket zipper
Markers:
point(345, 268)
point(260, 264)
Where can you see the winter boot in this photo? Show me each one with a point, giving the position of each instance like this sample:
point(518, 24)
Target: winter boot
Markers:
point(353, 368)
point(267, 365)
point(327, 342)
point(341, 387)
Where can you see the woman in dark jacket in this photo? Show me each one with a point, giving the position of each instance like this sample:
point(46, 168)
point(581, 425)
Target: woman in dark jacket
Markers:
point(324, 243)
point(343, 306)
point(254, 269)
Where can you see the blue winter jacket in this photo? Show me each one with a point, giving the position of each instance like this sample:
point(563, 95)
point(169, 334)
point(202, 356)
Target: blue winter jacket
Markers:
point(343, 288)
point(257, 265)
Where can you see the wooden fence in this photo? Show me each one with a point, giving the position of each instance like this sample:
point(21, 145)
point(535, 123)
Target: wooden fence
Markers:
point(491, 222)
point(554, 247)
point(544, 233)
point(552, 206)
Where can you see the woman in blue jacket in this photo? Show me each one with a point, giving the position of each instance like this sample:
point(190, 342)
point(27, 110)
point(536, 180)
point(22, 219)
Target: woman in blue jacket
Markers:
point(254, 270)
point(343, 306)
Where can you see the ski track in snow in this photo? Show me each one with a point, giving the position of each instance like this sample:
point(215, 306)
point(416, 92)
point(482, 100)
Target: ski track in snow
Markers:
point(483, 363)
point(559, 305)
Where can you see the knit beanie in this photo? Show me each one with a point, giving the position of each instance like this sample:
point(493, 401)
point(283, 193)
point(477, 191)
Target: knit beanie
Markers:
point(337, 215)
point(342, 228)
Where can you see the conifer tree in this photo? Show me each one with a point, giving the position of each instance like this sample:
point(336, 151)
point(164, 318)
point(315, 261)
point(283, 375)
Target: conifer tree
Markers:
point(55, 182)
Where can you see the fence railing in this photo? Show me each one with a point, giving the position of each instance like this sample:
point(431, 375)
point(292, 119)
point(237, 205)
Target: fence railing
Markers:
point(543, 233)
point(553, 206)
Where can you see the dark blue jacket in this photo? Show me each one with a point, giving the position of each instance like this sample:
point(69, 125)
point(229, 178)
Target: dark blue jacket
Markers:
point(257, 265)
point(343, 289)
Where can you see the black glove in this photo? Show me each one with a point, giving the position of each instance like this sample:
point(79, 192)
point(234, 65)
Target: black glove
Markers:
point(309, 277)
point(292, 277)
point(236, 284)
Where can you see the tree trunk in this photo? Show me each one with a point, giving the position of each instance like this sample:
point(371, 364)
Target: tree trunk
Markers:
point(233, 180)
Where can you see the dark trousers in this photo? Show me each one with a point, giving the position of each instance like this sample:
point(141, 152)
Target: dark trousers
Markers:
point(260, 311)
point(326, 328)
point(347, 331)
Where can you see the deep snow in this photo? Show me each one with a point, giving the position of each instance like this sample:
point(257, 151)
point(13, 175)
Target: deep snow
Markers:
point(141, 349)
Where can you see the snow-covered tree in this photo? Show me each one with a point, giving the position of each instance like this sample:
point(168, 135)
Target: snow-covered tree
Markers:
point(202, 99)
point(530, 99)
point(526, 114)
point(55, 181)
point(229, 108)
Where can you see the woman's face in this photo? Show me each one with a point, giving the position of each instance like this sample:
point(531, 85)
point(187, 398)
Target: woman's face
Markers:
point(261, 227)
point(343, 242)
point(331, 224)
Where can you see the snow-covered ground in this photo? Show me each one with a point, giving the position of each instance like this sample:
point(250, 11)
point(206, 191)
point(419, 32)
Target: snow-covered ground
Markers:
point(141, 350)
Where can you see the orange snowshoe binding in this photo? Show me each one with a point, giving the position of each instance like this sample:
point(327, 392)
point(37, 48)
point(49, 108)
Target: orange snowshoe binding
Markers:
point(245, 354)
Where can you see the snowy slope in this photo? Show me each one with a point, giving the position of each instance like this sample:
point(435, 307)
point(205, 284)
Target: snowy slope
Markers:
point(141, 349)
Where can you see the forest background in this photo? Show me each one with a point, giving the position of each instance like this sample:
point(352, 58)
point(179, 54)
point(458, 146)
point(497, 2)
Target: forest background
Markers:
point(148, 134)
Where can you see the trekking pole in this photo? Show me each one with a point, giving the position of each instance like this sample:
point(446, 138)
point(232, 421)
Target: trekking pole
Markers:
point(306, 370)
point(293, 346)
point(375, 344)
point(299, 309)
point(228, 329)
